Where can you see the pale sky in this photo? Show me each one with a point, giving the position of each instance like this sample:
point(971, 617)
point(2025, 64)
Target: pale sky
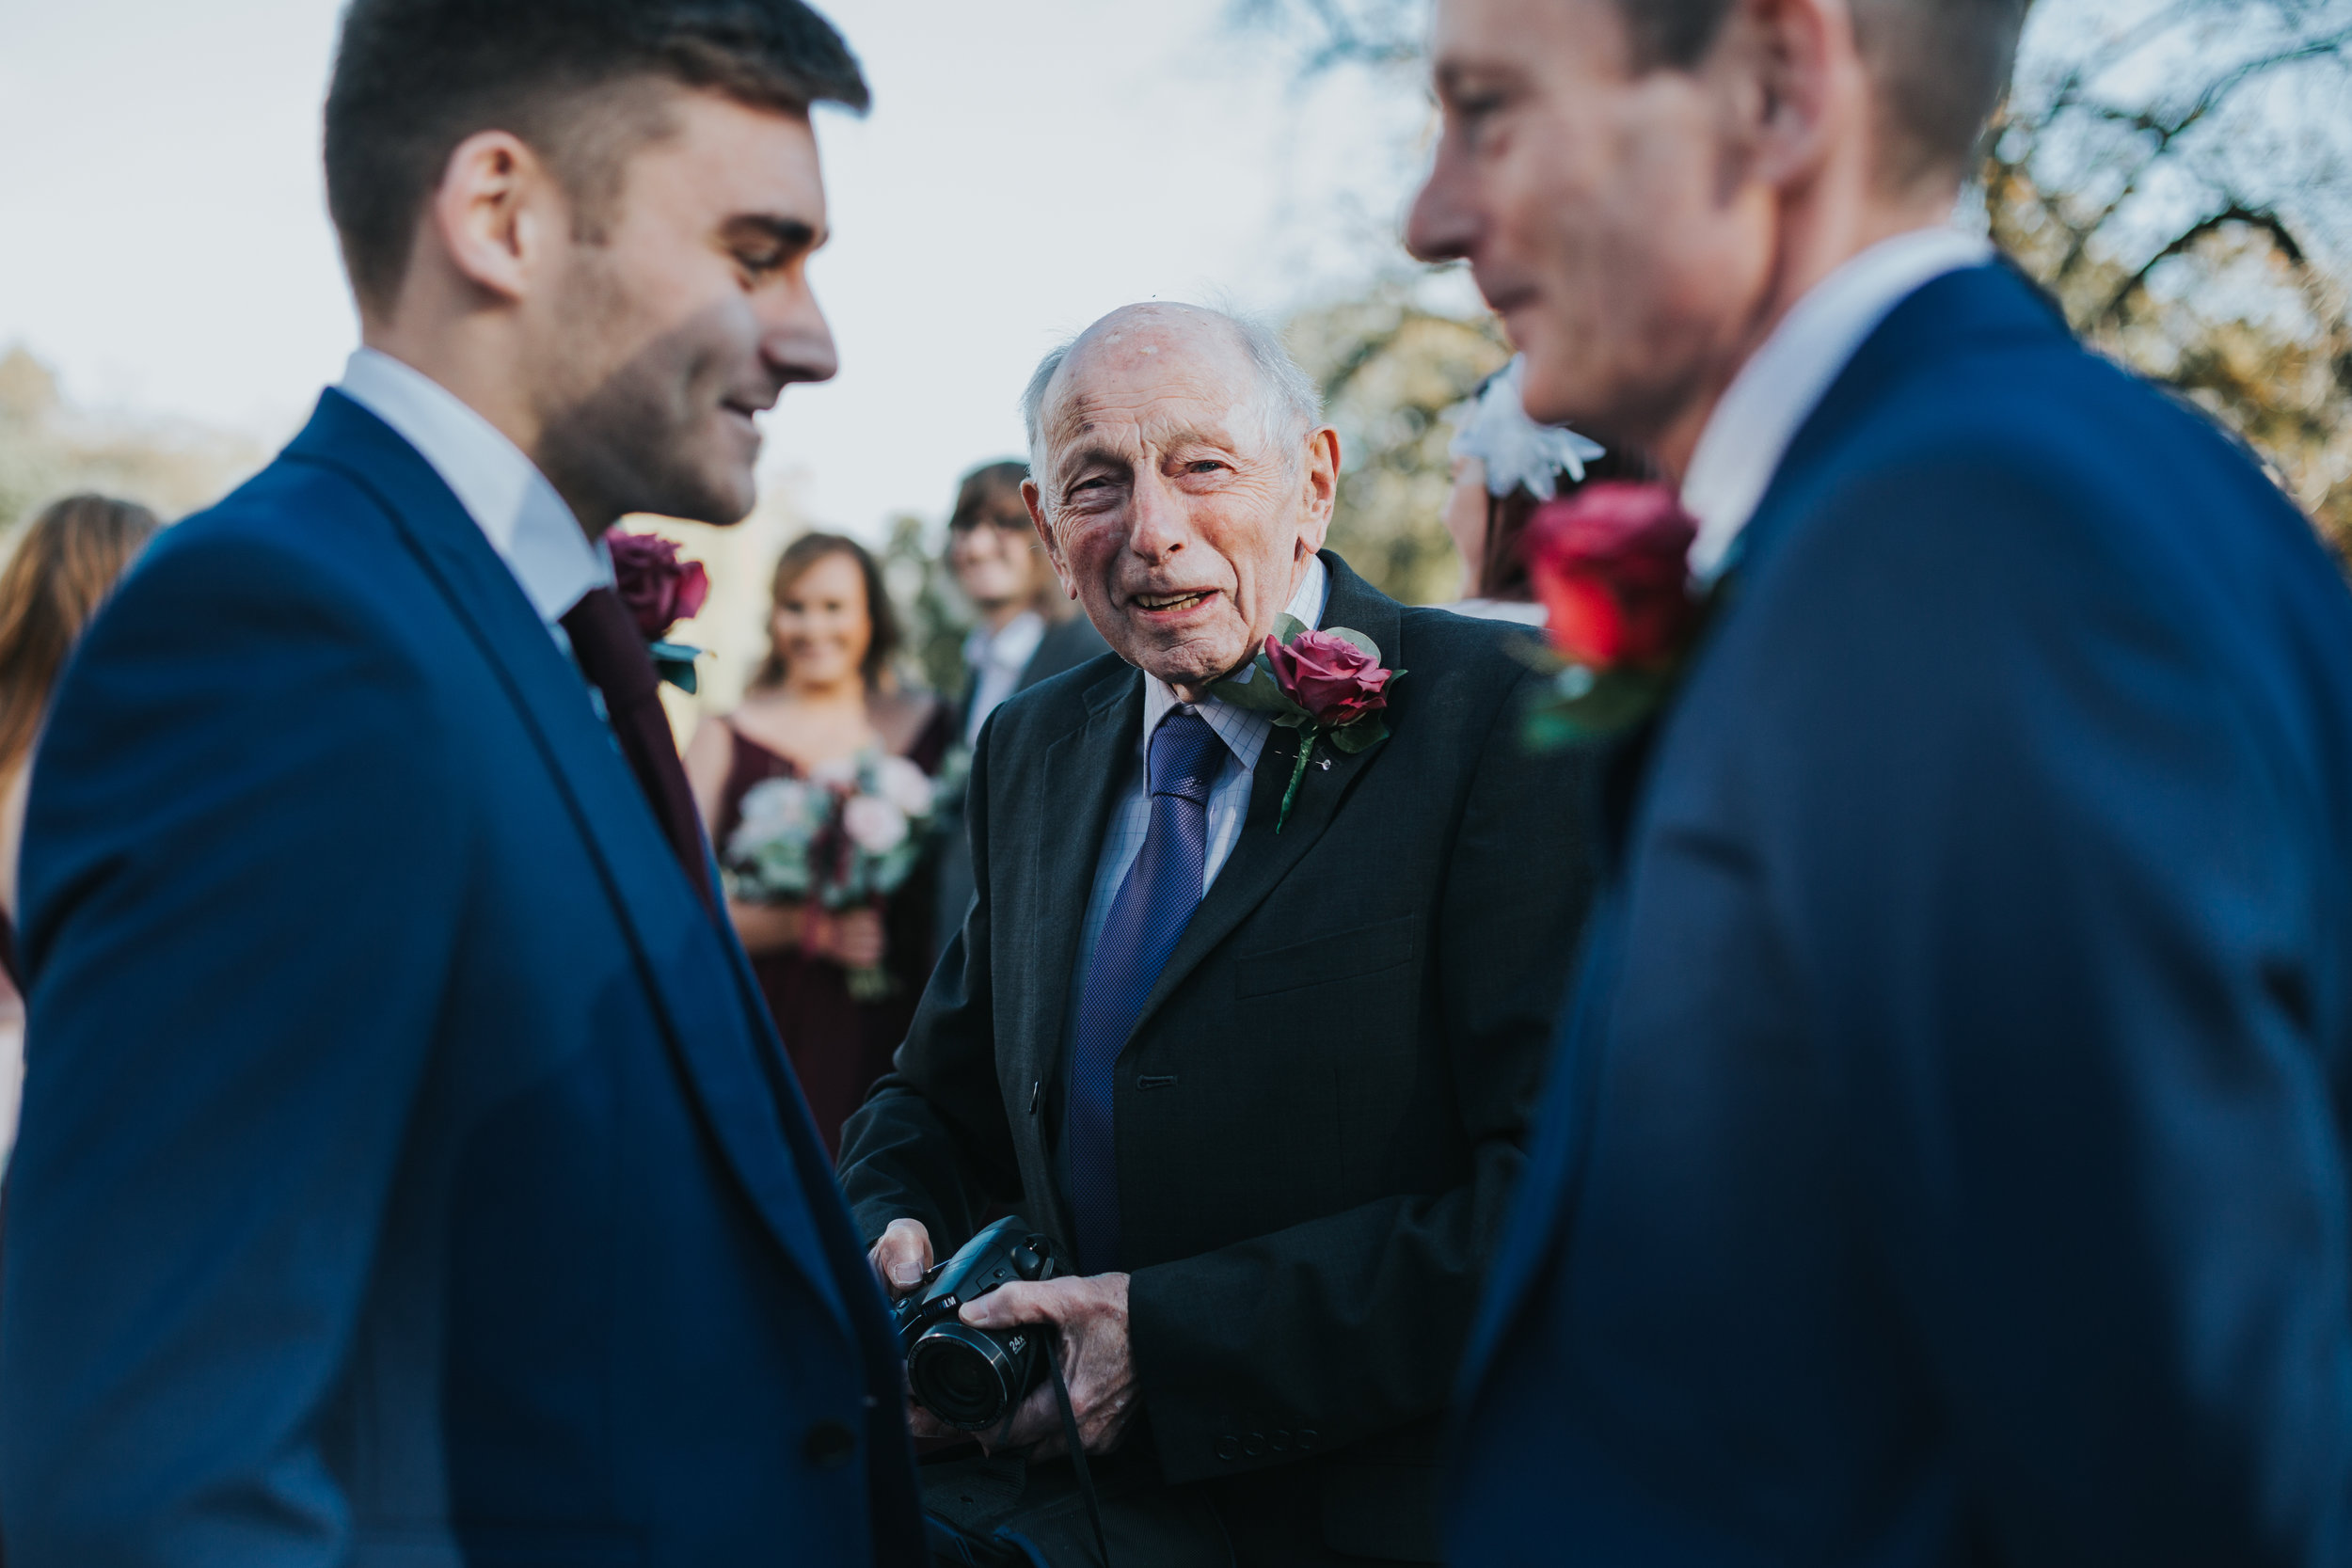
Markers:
point(1028, 164)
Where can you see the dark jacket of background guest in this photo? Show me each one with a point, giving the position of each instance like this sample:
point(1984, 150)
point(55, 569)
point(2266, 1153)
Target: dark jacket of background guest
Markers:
point(1067, 644)
point(1947, 1158)
point(1322, 1109)
point(409, 1175)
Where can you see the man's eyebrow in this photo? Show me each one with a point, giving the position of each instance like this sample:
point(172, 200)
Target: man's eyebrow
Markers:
point(788, 235)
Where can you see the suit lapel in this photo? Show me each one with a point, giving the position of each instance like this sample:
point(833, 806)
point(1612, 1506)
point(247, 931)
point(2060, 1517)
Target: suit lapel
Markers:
point(1086, 768)
point(1261, 857)
point(686, 962)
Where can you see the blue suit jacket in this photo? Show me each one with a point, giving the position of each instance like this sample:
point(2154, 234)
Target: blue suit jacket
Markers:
point(1944, 1160)
point(409, 1175)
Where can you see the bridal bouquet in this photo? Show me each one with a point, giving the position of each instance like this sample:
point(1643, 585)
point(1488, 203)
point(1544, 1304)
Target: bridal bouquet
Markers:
point(846, 835)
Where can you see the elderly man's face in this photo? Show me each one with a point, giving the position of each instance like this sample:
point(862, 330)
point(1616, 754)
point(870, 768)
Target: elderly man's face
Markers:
point(1170, 511)
point(1607, 216)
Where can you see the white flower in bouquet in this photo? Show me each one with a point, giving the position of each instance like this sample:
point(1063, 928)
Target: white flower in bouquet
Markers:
point(767, 856)
point(905, 786)
point(873, 823)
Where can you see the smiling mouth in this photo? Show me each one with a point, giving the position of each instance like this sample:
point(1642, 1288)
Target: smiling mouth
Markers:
point(1161, 604)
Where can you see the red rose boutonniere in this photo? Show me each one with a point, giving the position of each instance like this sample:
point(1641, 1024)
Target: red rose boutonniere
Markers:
point(658, 591)
point(1612, 565)
point(1327, 683)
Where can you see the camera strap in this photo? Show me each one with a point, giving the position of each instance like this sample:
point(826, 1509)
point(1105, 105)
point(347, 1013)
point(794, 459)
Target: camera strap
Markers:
point(1077, 1448)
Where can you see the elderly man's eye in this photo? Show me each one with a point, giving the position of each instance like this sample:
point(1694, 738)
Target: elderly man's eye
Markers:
point(1203, 466)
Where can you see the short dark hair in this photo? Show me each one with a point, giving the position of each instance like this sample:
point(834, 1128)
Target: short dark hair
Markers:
point(990, 488)
point(882, 618)
point(413, 78)
point(1938, 67)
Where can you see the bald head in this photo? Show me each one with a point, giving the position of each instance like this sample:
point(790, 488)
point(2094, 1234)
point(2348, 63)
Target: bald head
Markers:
point(1227, 358)
point(1182, 479)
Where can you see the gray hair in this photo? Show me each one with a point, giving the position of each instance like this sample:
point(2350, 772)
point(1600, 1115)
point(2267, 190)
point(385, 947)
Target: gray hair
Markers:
point(1289, 401)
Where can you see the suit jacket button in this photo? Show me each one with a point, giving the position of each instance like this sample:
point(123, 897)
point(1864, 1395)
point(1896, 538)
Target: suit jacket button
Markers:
point(1282, 1440)
point(1255, 1448)
point(1227, 1450)
point(1308, 1438)
point(829, 1444)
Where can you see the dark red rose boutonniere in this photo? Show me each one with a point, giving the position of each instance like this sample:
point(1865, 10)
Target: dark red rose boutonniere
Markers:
point(1327, 683)
point(659, 589)
point(1611, 564)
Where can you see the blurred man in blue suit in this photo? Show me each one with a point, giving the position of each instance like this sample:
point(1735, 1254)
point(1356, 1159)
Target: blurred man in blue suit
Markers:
point(409, 1174)
point(1945, 1156)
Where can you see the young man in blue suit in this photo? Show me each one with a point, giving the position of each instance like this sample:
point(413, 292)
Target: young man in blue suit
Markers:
point(409, 1175)
point(1945, 1156)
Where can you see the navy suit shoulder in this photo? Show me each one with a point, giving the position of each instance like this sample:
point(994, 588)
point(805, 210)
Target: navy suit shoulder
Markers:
point(1945, 1157)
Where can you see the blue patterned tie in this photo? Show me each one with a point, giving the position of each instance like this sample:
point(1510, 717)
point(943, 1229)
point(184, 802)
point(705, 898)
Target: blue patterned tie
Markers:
point(1149, 916)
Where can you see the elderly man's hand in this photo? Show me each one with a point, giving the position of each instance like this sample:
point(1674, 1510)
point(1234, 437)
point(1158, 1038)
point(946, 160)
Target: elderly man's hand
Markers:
point(1090, 1315)
point(902, 1257)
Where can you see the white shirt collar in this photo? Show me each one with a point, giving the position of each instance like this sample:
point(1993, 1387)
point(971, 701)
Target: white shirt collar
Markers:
point(1243, 732)
point(526, 522)
point(1009, 647)
point(1779, 386)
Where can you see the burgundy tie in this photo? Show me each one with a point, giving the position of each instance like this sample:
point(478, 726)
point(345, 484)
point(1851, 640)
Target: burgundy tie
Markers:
point(613, 656)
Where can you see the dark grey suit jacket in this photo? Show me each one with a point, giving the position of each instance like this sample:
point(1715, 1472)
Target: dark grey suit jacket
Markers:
point(1066, 645)
point(1325, 1103)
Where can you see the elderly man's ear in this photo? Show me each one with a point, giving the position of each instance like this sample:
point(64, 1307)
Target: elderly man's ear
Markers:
point(1032, 497)
point(1323, 486)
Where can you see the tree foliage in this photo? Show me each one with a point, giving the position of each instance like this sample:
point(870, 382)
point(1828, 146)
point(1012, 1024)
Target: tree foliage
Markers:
point(1390, 368)
point(48, 448)
point(2173, 172)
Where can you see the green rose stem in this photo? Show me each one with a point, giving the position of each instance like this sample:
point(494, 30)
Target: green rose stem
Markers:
point(1298, 771)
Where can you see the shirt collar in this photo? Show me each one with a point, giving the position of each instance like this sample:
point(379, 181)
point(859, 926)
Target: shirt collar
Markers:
point(1009, 647)
point(510, 500)
point(1780, 385)
point(1243, 732)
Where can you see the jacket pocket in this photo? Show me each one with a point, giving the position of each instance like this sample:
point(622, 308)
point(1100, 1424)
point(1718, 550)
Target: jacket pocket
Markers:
point(1341, 956)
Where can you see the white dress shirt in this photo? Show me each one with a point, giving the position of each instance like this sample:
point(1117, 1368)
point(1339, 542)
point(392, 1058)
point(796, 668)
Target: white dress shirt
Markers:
point(1245, 735)
point(509, 499)
point(1778, 388)
point(996, 659)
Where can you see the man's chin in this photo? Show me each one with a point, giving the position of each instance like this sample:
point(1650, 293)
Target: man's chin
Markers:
point(720, 500)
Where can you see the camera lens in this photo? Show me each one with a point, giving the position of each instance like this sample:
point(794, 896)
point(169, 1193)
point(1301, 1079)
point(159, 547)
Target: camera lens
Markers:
point(959, 1375)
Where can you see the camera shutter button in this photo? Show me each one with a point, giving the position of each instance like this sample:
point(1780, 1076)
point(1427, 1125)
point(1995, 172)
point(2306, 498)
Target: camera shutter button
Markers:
point(829, 1444)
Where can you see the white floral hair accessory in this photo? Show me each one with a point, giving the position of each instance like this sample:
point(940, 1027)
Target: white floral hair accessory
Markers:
point(1520, 453)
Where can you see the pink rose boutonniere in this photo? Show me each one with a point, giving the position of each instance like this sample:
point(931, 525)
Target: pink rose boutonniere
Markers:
point(659, 589)
point(1327, 683)
point(1612, 565)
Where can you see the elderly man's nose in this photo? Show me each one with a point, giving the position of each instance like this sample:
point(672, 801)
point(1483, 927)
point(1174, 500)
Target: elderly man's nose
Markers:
point(1441, 226)
point(1156, 521)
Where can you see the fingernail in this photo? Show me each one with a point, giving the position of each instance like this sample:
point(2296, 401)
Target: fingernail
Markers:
point(903, 1272)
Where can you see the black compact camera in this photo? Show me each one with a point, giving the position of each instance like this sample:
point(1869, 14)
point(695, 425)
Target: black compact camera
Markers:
point(972, 1378)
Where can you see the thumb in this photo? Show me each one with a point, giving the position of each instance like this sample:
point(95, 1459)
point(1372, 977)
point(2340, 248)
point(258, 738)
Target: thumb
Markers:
point(904, 1254)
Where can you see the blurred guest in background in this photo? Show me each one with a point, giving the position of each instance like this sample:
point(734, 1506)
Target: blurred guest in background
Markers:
point(824, 700)
point(1026, 632)
point(65, 565)
point(1505, 466)
point(63, 569)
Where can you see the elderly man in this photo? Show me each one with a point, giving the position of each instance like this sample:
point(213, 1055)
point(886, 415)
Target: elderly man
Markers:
point(1948, 1158)
point(1260, 1071)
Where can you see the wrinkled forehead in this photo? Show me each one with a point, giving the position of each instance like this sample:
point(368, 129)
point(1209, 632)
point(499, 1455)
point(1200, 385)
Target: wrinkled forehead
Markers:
point(1145, 381)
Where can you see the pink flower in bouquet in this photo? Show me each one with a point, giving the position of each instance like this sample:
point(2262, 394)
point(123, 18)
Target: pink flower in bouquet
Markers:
point(873, 824)
point(658, 589)
point(1611, 563)
point(1333, 680)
